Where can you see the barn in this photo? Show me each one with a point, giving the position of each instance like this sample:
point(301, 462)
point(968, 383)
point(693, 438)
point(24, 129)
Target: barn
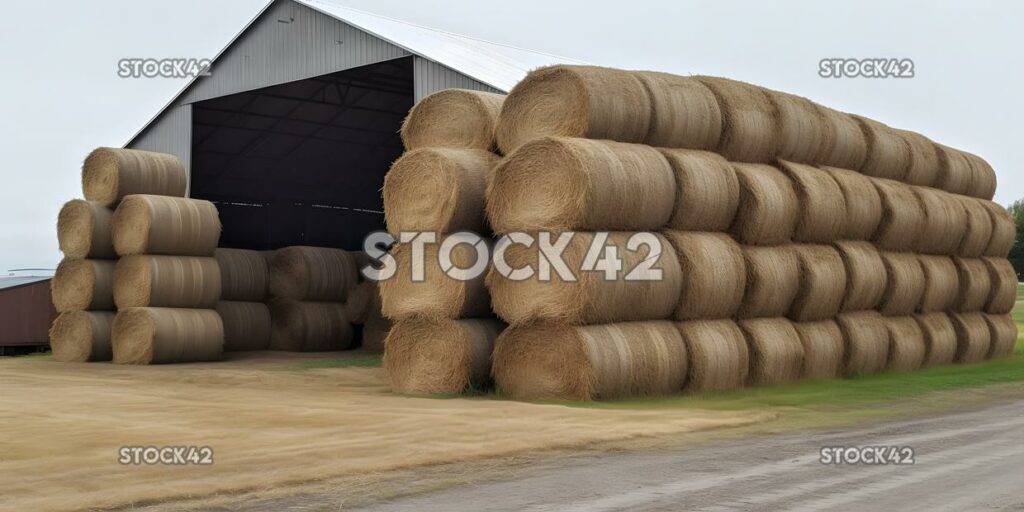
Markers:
point(291, 132)
point(25, 313)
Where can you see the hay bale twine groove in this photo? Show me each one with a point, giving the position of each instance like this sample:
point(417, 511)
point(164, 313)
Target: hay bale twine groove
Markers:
point(166, 282)
point(803, 133)
point(973, 338)
point(773, 280)
point(941, 283)
point(768, 207)
point(847, 148)
point(244, 275)
point(83, 230)
point(866, 277)
point(81, 336)
point(823, 349)
point(863, 203)
point(684, 112)
point(939, 338)
point(438, 295)
point(776, 354)
point(718, 355)
point(453, 118)
point(865, 342)
point(821, 214)
point(297, 326)
point(714, 275)
point(748, 120)
point(983, 177)
point(110, 174)
point(1003, 286)
point(978, 228)
point(1003, 333)
point(176, 226)
point(975, 284)
point(905, 285)
point(924, 159)
point(822, 283)
point(903, 218)
point(945, 222)
point(307, 273)
point(246, 325)
point(955, 173)
point(907, 347)
point(707, 191)
point(166, 335)
point(888, 153)
point(1004, 230)
point(431, 357)
point(83, 284)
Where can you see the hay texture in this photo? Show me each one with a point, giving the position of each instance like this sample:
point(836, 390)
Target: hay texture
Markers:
point(81, 336)
point(955, 173)
point(863, 204)
point(1003, 286)
point(714, 275)
point(684, 112)
point(973, 338)
point(244, 275)
point(939, 339)
point(591, 362)
point(865, 275)
point(438, 189)
point(375, 330)
point(905, 286)
point(1003, 334)
point(822, 283)
point(83, 284)
point(924, 159)
point(109, 174)
point(167, 335)
point(802, 131)
point(748, 120)
point(707, 191)
point(431, 357)
point(83, 230)
point(558, 184)
point(941, 283)
point(821, 217)
point(718, 355)
point(438, 295)
point(309, 326)
point(773, 280)
point(847, 148)
point(903, 218)
point(865, 342)
point(453, 118)
point(823, 349)
point(945, 222)
point(1004, 230)
point(166, 282)
point(768, 208)
point(146, 224)
point(978, 229)
point(975, 284)
point(888, 153)
point(312, 274)
point(983, 177)
point(776, 354)
point(363, 299)
point(907, 348)
point(246, 325)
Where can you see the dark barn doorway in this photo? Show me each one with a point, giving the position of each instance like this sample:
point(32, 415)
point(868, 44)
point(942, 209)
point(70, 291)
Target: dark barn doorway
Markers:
point(302, 163)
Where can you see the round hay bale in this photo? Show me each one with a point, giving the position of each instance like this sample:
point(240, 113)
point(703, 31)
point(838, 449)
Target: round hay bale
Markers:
point(888, 153)
point(983, 177)
point(244, 275)
point(975, 284)
point(359, 303)
point(907, 347)
point(575, 101)
point(1004, 230)
point(173, 226)
point(707, 191)
point(83, 230)
point(941, 283)
point(590, 362)
point(802, 132)
point(776, 354)
point(714, 275)
point(924, 159)
point(863, 204)
point(375, 330)
point(865, 275)
point(768, 207)
point(438, 189)
point(748, 120)
point(166, 335)
point(773, 279)
point(684, 112)
point(865, 342)
point(557, 184)
point(309, 326)
point(246, 325)
point(312, 274)
point(109, 174)
point(719, 358)
point(1003, 333)
point(166, 282)
point(81, 336)
point(905, 285)
point(821, 217)
point(903, 218)
point(433, 357)
point(939, 339)
point(973, 339)
point(589, 297)
point(83, 284)
point(1003, 289)
point(846, 146)
point(453, 118)
point(822, 283)
point(978, 229)
point(438, 295)
point(945, 222)
point(955, 173)
point(823, 349)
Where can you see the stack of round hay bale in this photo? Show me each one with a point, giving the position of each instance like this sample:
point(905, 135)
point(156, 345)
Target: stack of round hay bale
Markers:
point(444, 329)
point(244, 281)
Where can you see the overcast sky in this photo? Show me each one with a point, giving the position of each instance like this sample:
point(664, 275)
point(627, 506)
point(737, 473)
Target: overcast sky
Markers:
point(61, 96)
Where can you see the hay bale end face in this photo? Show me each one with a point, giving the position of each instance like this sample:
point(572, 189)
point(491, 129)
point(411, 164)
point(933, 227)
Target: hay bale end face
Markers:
point(773, 280)
point(903, 218)
point(863, 204)
point(823, 349)
point(177, 226)
point(309, 326)
point(166, 335)
point(244, 275)
point(83, 284)
point(453, 118)
point(1003, 289)
point(109, 174)
point(866, 342)
point(684, 112)
point(748, 120)
point(888, 153)
point(822, 283)
point(166, 282)
point(865, 275)
point(81, 336)
point(714, 275)
point(1003, 333)
point(83, 230)
point(975, 284)
point(718, 355)
point(941, 283)
point(776, 354)
point(939, 339)
point(905, 286)
point(312, 274)
point(907, 347)
point(821, 217)
point(707, 191)
point(431, 357)
point(246, 325)
point(768, 207)
point(438, 295)
point(973, 338)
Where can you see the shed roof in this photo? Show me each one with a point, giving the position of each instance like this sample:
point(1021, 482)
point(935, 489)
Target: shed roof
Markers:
point(16, 281)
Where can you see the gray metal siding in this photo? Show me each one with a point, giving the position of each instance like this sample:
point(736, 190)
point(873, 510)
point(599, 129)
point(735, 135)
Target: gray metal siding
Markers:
point(171, 133)
point(430, 77)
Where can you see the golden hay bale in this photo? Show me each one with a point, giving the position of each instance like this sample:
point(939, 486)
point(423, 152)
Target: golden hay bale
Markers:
point(865, 342)
point(684, 112)
point(822, 283)
point(939, 338)
point(888, 153)
point(589, 297)
point(978, 228)
point(983, 177)
point(945, 221)
point(776, 354)
point(821, 216)
point(863, 204)
point(802, 132)
point(438, 189)
point(1003, 289)
point(563, 184)
point(166, 282)
point(312, 273)
point(83, 230)
point(309, 326)
point(361, 301)
point(83, 284)
point(719, 358)
point(244, 274)
point(438, 295)
point(430, 357)
point(905, 286)
point(768, 208)
point(714, 274)
point(590, 362)
point(865, 275)
point(109, 174)
point(941, 283)
point(81, 336)
point(846, 146)
point(166, 335)
point(1003, 333)
point(975, 284)
point(773, 279)
point(1004, 230)
point(903, 218)
point(955, 171)
point(823, 349)
point(748, 120)
point(575, 101)
point(707, 191)
point(907, 347)
point(165, 225)
point(973, 339)
point(924, 159)
point(455, 118)
point(246, 325)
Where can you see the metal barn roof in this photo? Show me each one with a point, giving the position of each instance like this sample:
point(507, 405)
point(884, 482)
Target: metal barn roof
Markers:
point(16, 281)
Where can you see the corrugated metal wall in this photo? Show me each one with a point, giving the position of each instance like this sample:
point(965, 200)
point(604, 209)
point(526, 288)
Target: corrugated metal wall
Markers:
point(25, 315)
point(171, 133)
point(430, 77)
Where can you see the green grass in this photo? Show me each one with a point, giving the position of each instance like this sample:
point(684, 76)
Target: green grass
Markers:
point(371, 361)
point(1020, 291)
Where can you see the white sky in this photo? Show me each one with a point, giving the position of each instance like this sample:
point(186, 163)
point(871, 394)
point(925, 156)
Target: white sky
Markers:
point(60, 95)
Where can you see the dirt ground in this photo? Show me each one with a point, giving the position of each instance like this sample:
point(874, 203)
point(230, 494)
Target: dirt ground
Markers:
point(271, 419)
